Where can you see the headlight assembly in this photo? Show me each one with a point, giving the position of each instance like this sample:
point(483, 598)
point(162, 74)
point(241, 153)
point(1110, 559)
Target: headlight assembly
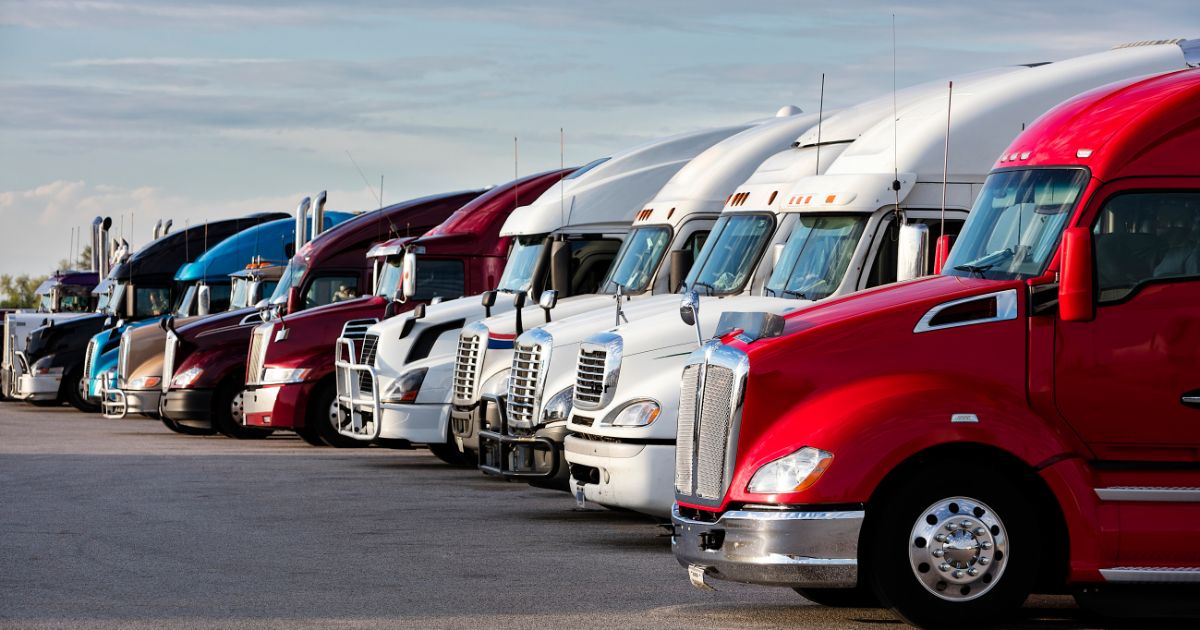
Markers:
point(42, 367)
point(791, 473)
point(145, 382)
point(405, 388)
point(639, 413)
point(186, 377)
point(558, 407)
point(279, 376)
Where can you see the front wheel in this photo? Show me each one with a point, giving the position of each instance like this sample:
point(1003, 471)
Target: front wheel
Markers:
point(75, 389)
point(951, 552)
point(228, 412)
point(323, 416)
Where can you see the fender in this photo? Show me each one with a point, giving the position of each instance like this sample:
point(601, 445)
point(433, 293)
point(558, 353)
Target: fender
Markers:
point(215, 363)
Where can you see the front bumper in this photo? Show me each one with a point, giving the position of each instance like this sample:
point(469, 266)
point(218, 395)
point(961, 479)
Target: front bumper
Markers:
point(466, 421)
point(421, 424)
point(277, 406)
point(188, 407)
point(636, 477)
point(38, 386)
point(537, 457)
point(810, 549)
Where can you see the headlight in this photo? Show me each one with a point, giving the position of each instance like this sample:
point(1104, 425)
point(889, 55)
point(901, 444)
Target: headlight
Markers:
point(186, 377)
point(275, 376)
point(635, 414)
point(406, 388)
point(145, 382)
point(791, 473)
point(559, 405)
point(42, 366)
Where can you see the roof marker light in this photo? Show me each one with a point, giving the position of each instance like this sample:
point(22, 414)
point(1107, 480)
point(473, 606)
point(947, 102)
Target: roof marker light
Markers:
point(1025, 155)
point(1012, 157)
point(1083, 153)
point(772, 199)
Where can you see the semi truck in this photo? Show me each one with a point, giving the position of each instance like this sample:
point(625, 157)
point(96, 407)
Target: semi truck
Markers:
point(204, 367)
point(562, 245)
point(64, 295)
point(854, 230)
point(130, 381)
point(1022, 422)
point(54, 364)
point(459, 257)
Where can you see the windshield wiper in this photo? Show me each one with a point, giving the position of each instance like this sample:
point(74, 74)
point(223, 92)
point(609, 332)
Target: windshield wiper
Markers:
point(711, 289)
point(985, 263)
point(795, 293)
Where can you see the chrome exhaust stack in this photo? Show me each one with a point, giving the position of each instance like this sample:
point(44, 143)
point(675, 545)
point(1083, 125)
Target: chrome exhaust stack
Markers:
point(318, 215)
point(96, 238)
point(301, 214)
point(157, 229)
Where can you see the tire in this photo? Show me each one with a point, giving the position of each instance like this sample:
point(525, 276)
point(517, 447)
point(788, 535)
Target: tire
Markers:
point(184, 430)
point(74, 390)
point(937, 591)
point(310, 436)
point(46, 403)
point(858, 597)
point(322, 416)
point(448, 452)
point(227, 413)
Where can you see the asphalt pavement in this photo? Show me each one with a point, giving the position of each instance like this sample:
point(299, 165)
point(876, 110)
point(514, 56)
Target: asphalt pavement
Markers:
point(120, 523)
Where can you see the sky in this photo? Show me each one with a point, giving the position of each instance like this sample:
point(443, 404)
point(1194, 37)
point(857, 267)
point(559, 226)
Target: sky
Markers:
point(149, 109)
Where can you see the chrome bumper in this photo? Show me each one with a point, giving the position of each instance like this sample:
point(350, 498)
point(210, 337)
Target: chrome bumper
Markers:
point(358, 414)
point(778, 548)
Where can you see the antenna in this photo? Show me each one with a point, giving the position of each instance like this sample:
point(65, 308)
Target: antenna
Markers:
point(381, 190)
point(516, 172)
point(562, 189)
point(378, 197)
point(946, 155)
point(820, 117)
point(895, 130)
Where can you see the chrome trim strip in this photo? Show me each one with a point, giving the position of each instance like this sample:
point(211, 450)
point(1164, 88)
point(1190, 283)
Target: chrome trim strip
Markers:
point(1152, 574)
point(1149, 493)
point(1006, 309)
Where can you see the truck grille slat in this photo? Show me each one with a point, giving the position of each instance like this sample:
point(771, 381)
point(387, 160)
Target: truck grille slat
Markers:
point(523, 383)
point(684, 445)
point(87, 361)
point(466, 365)
point(710, 402)
point(715, 424)
point(258, 351)
point(366, 384)
point(169, 360)
point(123, 360)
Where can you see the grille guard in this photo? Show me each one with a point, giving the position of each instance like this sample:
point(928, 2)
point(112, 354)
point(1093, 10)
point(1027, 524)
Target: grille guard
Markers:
point(358, 415)
point(112, 399)
point(496, 446)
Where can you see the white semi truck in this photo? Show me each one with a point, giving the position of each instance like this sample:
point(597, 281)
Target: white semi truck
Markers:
point(396, 384)
point(844, 238)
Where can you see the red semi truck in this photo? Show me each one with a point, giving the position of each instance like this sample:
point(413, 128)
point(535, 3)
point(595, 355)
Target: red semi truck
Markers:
point(205, 361)
point(1027, 421)
point(289, 377)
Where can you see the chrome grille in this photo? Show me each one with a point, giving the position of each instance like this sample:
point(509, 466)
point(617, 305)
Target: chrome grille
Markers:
point(258, 353)
point(684, 446)
point(524, 382)
point(87, 361)
point(123, 360)
point(357, 328)
point(713, 436)
point(589, 377)
point(172, 345)
point(370, 345)
point(467, 360)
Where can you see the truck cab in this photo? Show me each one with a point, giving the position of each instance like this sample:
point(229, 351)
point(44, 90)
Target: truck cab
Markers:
point(243, 261)
point(869, 220)
point(63, 296)
point(204, 368)
point(1022, 422)
point(560, 245)
point(456, 258)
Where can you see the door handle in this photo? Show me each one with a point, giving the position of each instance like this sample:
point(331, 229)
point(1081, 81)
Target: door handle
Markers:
point(1190, 399)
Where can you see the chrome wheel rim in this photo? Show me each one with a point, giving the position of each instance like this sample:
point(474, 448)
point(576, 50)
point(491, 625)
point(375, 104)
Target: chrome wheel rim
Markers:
point(958, 549)
point(334, 417)
point(82, 388)
point(237, 408)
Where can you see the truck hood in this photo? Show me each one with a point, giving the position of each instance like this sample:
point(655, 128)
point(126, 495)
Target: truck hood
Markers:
point(590, 313)
point(344, 310)
point(216, 327)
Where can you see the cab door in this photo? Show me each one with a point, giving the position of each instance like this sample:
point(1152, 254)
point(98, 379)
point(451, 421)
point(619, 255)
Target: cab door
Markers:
point(1128, 382)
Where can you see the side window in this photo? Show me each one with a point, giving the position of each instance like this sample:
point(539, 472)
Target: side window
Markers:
point(883, 268)
point(439, 278)
point(590, 260)
point(329, 289)
point(218, 297)
point(1140, 237)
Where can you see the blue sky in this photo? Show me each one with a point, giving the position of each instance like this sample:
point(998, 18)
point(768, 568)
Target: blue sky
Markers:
point(142, 109)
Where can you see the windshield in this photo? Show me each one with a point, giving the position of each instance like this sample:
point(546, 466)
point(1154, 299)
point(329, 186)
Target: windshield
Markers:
point(47, 304)
point(185, 303)
point(390, 273)
point(240, 294)
point(114, 298)
point(1014, 227)
point(816, 256)
point(522, 264)
point(292, 275)
point(638, 259)
point(730, 253)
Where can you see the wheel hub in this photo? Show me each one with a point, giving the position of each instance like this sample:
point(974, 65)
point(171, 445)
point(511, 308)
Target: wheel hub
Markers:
point(958, 549)
point(237, 408)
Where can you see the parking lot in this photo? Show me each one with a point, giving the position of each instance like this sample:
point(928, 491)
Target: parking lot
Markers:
point(119, 523)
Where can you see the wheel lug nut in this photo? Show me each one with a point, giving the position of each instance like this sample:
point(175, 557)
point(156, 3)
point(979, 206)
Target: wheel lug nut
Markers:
point(985, 545)
point(967, 524)
point(979, 531)
point(940, 538)
point(957, 574)
point(938, 553)
point(984, 560)
point(943, 567)
point(972, 572)
point(951, 526)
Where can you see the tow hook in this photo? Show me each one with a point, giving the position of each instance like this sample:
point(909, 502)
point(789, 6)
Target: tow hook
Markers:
point(696, 577)
point(712, 541)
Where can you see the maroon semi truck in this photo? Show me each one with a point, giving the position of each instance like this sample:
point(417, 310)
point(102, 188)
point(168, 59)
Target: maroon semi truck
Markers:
point(204, 366)
point(290, 368)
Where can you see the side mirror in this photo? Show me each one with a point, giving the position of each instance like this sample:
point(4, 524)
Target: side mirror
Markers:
point(548, 301)
point(203, 300)
point(689, 312)
point(776, 254)
point(130, 306)
point(1076, 286)
point(912, 254)
point(293, 300)
point(391, 309)
point(408, 275)
point(261, 304)
point(518, 304)
point(944, 243)
point(681, 264)
point(488, 299)
point(418, 311)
